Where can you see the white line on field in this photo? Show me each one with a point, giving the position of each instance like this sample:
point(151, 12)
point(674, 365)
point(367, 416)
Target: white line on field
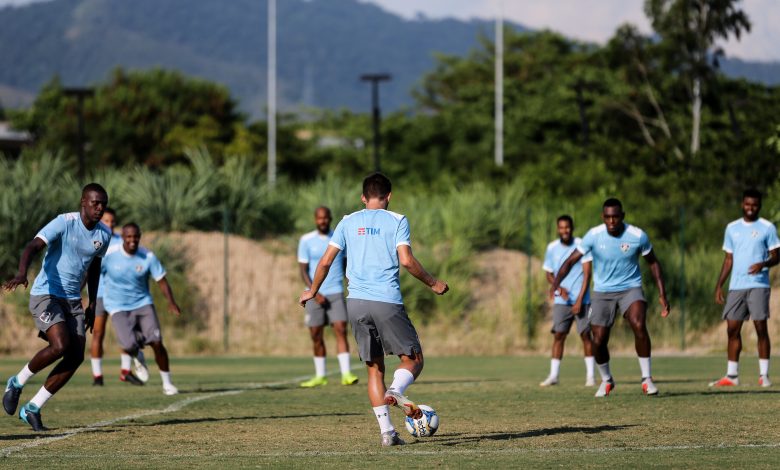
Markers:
point(172, 408)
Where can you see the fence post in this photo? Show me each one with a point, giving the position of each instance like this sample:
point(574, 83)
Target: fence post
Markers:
point(528, 284)
point(226, 278)
point(682, 278)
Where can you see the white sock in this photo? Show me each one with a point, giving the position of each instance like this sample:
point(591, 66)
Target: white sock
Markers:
point(24, 375)
point(402, 378)
point(166, 378)
point(604, 371)
point(343, 362)
point(41, 397)
point(125, 361)
point(590, 363)
point(644, 366)
point(763, 366)
point(97, 366)
point(732, 368)
point(555, 367)
point(319, 366)
point(383, 417)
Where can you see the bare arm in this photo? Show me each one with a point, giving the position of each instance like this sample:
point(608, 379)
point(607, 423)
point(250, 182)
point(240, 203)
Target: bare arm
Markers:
point(655, 270)
point(725, 270)
point(564, 271)
point(408, 261)
point(32, 249)
point(173, 307)
point(320, 274)
point(586, 270)
point(550, 277)
point(772, 261)
point(304, 269)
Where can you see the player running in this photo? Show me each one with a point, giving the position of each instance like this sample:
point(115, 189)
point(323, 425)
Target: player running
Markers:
point(616, 247)
point(76, 241)
point(126, 271)
point(328, 305)
point(751, 245)
point(572, 299)
point(378, 241)
point(99, 329)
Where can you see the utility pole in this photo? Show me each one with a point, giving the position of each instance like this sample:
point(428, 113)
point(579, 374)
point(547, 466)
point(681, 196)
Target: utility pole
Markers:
point(271, 92)
point(80, 94)
point(499, 88)
point(375, 78)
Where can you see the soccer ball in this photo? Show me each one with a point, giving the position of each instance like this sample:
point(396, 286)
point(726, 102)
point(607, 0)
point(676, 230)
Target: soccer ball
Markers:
point(425, 426)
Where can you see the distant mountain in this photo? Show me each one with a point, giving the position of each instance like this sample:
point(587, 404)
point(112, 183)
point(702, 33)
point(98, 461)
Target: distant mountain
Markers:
point(323, 47)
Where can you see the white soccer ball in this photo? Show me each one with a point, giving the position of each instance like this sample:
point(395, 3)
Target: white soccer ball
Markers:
point(425, 426)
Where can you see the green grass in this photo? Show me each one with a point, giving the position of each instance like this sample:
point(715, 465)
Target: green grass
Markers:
point(493, 415)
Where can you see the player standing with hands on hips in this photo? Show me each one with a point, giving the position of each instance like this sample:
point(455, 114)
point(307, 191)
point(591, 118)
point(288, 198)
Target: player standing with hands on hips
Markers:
point(378, 241)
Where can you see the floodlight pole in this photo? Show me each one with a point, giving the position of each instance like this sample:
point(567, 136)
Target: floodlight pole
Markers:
point(80, 94)
point(499, 88)
point(271, 92)
point(375, 78)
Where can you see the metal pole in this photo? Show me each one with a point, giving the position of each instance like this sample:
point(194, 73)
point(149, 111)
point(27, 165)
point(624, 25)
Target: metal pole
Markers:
point(528, 283)
point(226, 279)
point(271, 92)
point(682, 278)
point(377, 118)
point(499, 88)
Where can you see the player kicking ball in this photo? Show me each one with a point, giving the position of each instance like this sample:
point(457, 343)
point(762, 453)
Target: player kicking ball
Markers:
point(126, 271)
point(378, 242)
point(616, 248)
point(76, 241)
point(752, 247)
point(572, 299)
point(328, 305)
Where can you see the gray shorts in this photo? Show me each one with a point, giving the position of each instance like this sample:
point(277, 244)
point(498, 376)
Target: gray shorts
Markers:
point(137, 327)
point(382, 328)
point(317, 315)
point(48, 310)
point(562, 319)
point(747, 303)
point(100, 309)
point(605, 305)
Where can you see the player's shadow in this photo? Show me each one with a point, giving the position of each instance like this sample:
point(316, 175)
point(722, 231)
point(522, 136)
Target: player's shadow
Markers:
point(245, 388)
point(50, 432)
point(179, 421)
point(447, 440)
point(455, 381)
point(717, 393)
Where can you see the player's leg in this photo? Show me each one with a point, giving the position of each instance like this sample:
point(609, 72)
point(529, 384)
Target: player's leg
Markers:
point(96, 347)
point(562, 320)
point(735, 311)
point(583, 328)
point(148, 323)
point(316, 320)
point(124, 326)
point(636, 315)
point(337, 315)
point(602, 317)
point(764, 349)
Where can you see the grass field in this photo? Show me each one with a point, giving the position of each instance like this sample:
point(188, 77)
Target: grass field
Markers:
point(248, 413)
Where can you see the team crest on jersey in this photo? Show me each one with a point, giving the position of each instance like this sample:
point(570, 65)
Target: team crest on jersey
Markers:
point(139, 268)
point(754, 234)
point(97, 244)
point(624, 247)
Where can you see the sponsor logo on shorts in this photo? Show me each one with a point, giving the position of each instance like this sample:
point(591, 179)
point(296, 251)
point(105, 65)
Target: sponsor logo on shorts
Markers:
point(367, 231)
point(97, 244)
point(624, 247)
point(45, 317)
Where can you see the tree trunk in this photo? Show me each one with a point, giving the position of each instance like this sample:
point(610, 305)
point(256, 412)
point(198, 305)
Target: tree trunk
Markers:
point(696, 110)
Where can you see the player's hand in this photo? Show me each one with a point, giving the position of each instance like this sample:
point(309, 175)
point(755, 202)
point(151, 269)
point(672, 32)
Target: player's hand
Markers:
point(305, 297)
point(756, 268)
point(321, 299)
point(89, 317)
point(440, 287)
point(18, 280)
point(666, 309)
point(563, 293)
point(174, 309)
point(719, 299)
point(576, 309)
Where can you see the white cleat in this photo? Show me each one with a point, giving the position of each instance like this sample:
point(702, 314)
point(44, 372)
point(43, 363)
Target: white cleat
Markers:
point(549, 382)
point(139, 368)
point(170, 390)
point(590, 382)
point(648, 387)
point(605, 388)
point(391, 438)
point(764, 381)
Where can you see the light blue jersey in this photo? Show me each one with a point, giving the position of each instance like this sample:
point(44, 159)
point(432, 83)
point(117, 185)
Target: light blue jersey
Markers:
point(557, 253)
point(311, 247)
point(71, 249)
point(749, 243)
point(127, 278)
point(615, 259)
point(115, 238)
point(372, 238)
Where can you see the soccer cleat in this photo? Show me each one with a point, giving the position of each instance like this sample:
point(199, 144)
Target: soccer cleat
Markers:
point(130, 379)
point(11, 396)
point(391, 438)
point(315, 381)
point(648, 387)
point(349, 379)
point(549, 381)
point(590, 382)
point(139, 368)
point(605, 388)
point(97, 381)
point(393, 398)
point(170, 390)
point(31, 414)
point(764, 381)
point(725, 382)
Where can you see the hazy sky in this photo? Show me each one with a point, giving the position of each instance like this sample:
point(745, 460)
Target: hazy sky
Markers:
point(593, 20)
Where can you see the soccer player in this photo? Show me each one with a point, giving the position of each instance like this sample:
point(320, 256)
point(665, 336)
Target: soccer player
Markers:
point(751, 245)
point(99, 329)
point(377, 242)
point(616, 247)
point(328, 305)
point(572, 299)
point(76, 241)
point(126, 270)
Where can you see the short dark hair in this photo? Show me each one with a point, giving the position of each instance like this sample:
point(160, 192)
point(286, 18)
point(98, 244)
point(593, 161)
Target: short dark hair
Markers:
point(323, 208)
point(132, 225)
point(376, 185)
point(567, 218)
point(93, 187)
point(612, 202)
point(752, 193)
point(110, 211)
